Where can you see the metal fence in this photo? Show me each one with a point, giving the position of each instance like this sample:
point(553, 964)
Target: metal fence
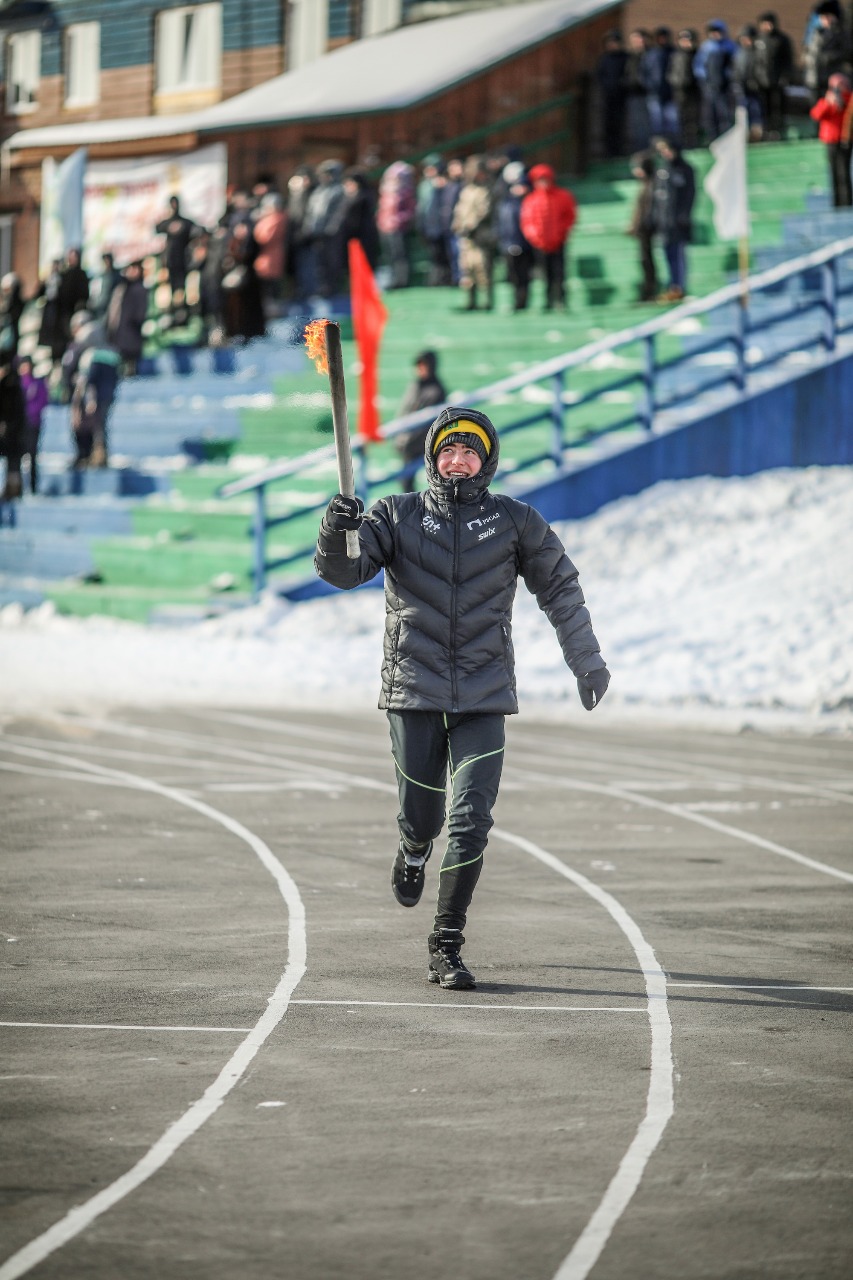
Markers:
point(723, 341)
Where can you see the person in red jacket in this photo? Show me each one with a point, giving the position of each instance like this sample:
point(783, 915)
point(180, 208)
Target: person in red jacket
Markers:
point(830, 112)
point(548, 214)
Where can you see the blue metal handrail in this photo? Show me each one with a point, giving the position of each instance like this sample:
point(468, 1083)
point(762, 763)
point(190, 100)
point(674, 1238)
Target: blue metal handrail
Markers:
point(743, 323)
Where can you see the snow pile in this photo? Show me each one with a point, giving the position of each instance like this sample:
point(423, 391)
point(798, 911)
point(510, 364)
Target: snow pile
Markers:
point(707, 595)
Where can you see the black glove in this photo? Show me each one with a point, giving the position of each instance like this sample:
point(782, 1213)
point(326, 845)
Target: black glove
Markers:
point(344, 513)
point(593, 686)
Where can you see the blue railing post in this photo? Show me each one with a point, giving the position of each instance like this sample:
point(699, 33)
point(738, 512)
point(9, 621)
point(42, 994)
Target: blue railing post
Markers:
point(647, 417)
point(362, 487)
point(260, 540)
point(741, 326)
point(557, 416)
point(830, 302)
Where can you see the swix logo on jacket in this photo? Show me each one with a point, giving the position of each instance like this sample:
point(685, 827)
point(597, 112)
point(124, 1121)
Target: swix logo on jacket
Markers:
point(449, 595)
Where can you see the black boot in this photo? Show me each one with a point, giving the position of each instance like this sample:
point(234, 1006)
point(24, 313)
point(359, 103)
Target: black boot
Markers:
point(472, 299)
point(446, 966)
point(407, 873)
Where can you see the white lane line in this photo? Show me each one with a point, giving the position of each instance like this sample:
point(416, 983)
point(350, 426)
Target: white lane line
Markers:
point(117, 1026)
point(678, 811)
point(635, 797)
point(347, 1004)
point(83, 1215)
point(660, 1100)
point(121, 753)
point(756, 986)
point(463, 1004)
point(170, 737)
point(289, 728)
point(706, 769)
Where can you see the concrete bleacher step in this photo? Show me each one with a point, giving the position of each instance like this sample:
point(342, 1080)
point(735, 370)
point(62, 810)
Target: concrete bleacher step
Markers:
point(92, 516)
point(46, 554)
point(58, 480)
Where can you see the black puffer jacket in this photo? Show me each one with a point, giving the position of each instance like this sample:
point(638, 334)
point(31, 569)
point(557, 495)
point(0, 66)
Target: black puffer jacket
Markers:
point(452, 558)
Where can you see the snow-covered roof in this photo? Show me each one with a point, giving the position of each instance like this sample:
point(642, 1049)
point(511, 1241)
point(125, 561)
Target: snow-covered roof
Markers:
point(380, 73)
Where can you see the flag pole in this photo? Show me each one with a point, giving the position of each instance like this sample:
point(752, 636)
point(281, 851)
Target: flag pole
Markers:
point(743, 268)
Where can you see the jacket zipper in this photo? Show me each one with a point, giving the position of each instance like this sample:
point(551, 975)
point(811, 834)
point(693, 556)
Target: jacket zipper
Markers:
point(453, 685)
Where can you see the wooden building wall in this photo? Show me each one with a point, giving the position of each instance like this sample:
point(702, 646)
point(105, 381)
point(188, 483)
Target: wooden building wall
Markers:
point(515, 88)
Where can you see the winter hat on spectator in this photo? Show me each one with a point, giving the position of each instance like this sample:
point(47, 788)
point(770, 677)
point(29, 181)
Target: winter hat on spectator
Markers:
point(467, 433)
point(540, 172)
point(513, 172)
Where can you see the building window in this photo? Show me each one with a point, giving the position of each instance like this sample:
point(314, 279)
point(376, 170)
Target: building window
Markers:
point(307, 32)
point(189, 49)
point(23, 60)
point(341, 25)
point(83, 64)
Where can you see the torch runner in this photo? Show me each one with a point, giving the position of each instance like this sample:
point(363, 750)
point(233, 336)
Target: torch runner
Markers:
point(323, 344)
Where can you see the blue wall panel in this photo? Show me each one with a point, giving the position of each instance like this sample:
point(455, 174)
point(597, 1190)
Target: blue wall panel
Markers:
point(806, 422)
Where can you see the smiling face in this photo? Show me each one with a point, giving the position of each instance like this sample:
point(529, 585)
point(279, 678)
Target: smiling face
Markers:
point(458, 461)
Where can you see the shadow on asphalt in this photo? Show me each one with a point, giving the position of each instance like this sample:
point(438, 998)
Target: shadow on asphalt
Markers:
point(791, 993)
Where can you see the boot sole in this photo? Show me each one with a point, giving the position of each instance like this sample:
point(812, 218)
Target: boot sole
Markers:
point(405, 902)
point(455, 982)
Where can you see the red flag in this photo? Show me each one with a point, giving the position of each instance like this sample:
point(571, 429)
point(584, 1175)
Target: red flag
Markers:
point(368, 321)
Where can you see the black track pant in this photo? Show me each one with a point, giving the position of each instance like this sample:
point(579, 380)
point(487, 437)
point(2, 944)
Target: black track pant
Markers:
point(425, 745)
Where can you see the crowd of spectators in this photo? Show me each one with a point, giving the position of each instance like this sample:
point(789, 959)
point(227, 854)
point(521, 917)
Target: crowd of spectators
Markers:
point(686, 85)
point(453, 221)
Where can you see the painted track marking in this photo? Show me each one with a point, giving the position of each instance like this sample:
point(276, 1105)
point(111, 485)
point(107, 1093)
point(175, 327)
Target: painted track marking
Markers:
point(689, 815)
point(660, 1099)
point(660, 1096)
point(116, 1026)
point(81, 1216)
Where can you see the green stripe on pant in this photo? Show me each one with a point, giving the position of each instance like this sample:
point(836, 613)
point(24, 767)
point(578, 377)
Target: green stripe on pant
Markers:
point(425, 744)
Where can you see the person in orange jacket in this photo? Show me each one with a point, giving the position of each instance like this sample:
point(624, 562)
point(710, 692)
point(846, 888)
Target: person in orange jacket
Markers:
point(832, 113)
point(548, 214)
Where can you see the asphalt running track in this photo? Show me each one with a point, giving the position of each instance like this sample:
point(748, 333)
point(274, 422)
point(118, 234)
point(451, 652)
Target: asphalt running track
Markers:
point(222, 1058)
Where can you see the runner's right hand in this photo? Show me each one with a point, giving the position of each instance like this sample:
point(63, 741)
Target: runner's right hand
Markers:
point(343, 513)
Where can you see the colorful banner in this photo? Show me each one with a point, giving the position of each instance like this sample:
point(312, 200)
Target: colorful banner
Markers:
point(125, 199)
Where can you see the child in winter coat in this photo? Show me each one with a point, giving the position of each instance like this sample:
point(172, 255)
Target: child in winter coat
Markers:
point(452, 558)
point(643, 223)
point(547, 216)
point(424, 391)
point(36, 397)
point(832, 113)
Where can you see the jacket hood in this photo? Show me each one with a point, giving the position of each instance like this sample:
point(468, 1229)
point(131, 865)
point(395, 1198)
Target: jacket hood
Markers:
point(460, 491)
point(331, 169)
point(428, 358)
point(540, 171)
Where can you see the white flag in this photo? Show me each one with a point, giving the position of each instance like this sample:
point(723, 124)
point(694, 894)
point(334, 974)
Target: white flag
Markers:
point(61, 206)
point(726, 181)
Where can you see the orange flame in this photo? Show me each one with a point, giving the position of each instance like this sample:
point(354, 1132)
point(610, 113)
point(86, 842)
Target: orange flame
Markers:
point(315, 344)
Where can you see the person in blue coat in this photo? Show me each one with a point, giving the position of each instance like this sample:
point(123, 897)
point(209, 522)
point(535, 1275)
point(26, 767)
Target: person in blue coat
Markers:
point(518, 254)
point(713, 67)
point(660, 103)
